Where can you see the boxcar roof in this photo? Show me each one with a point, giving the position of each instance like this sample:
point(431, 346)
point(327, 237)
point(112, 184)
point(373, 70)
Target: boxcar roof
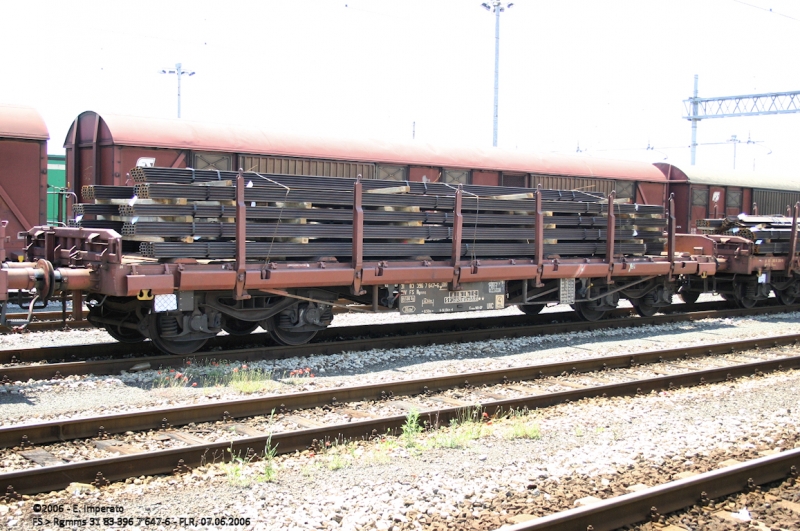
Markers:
point(715, 177)
point(203, 136)
point(18, 121)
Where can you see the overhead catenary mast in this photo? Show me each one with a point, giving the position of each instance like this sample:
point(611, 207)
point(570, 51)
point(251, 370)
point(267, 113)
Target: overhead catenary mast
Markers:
point(734, 106)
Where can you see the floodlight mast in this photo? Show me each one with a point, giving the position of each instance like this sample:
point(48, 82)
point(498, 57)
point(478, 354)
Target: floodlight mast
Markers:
point(179, 71)
point(497, 7)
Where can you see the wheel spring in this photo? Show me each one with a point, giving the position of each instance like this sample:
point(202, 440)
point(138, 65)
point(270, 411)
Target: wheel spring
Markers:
point(750, 291)
point(169, 326)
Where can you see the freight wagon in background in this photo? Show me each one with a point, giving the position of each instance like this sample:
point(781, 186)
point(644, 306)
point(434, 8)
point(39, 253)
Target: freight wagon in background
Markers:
point(23, 173)
point(101, 150)
point(705, 194)
point(57, 190)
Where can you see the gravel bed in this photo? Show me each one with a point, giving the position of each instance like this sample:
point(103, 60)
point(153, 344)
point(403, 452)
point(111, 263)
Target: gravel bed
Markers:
point(597, 447)
point(278, 421)
point(75, 396)
point(401, 484)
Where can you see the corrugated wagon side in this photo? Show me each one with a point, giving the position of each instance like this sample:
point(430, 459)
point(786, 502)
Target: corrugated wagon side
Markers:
point(23, 174)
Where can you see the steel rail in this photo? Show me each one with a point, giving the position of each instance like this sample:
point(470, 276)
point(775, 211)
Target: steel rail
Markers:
point(49, 320)
point(75, 352)
point(636, 507)
point(63, 430)
point(45, 316)
point(46, 326)
point(13, 373)
point(79, 352)
point(180, 459)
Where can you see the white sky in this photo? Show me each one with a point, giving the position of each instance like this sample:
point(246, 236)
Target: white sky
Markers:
point(610, 75)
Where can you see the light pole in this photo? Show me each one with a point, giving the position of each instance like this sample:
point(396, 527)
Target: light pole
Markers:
point(179, 71)
point(497, 7)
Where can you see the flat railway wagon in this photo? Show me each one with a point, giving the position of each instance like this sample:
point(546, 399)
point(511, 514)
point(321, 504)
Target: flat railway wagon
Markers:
point(216, 250)
point(23, 175)
point(702, 193)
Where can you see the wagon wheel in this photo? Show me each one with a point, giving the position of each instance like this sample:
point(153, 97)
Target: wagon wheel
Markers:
point(124, 335)
point(588, 311)
point(238, 327)
point(117, 331)
point(531, 309)
point(644, 306)
point(157, 323)
point(689, 297)
point(786, 296)
point(747, 303)
point(742, 300)
point(289, 338)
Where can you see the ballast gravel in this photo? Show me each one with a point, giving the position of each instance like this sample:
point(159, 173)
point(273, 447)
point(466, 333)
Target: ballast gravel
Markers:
point(396, 484)
point(508, 474)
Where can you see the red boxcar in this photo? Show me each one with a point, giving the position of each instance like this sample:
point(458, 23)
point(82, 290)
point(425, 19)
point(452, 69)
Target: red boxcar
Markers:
point(23, 173)
point(101, 149)
point(703, 193)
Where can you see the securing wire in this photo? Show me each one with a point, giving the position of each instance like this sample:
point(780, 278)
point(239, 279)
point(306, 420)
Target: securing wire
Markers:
point(280, 214)
point(477, 214)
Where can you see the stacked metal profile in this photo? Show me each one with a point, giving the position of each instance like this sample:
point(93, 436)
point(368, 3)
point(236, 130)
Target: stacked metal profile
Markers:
point(185, 213)
point(769, 234)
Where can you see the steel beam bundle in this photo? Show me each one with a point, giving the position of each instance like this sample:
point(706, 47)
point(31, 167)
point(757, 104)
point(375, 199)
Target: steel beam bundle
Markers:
point(769, 234)
point(281, 181)
point(97, 191)
point(343, 231)
point(184, 213)
point(280, 250)
point(212, 212)
point(324, 197)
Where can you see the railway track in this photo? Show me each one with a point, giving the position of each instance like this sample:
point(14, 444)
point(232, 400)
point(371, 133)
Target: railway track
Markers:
point(44, 321)
point(297, 421)
point(23, 365)
point(650, 505)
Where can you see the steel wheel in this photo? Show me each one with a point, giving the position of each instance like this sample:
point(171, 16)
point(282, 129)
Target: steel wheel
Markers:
point(746, 303)
point(237, 327)
point(742, 300)
point(286, 337)
point(644, 307)
point(124, 335)
point(531, 309)
point(170, 346)
point(588, 311)
point(785, 296)
point(689, 297)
